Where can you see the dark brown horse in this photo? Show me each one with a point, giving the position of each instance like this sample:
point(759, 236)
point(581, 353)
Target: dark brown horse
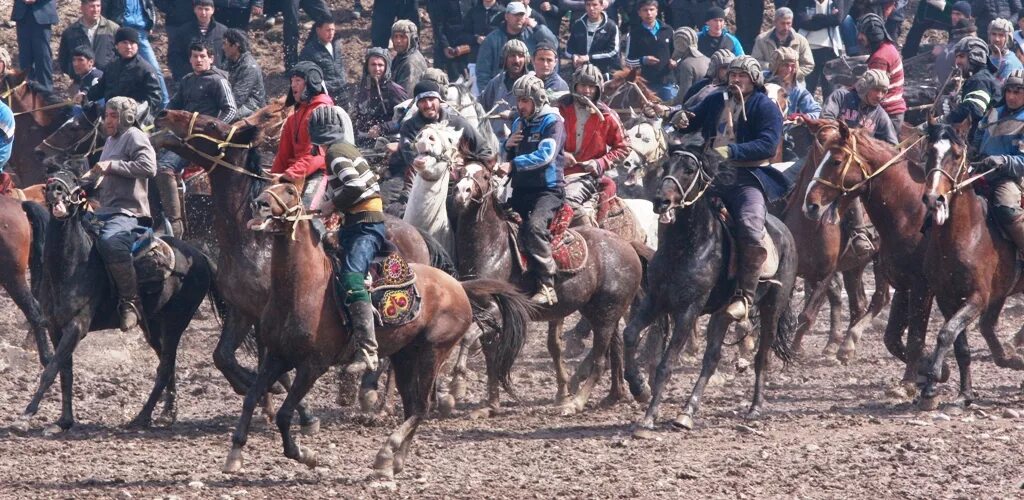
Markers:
point(859, 165)
point(627, 91)
point(37, 113)
point(301, 328)
point(23, 226)
point(971, 267)
point(601, 291)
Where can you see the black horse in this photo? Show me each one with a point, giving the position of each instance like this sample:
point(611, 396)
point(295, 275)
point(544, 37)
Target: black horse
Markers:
point(78, 297)
point(689, 277)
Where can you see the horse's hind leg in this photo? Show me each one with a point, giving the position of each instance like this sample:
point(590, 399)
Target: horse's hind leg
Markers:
point(310, 424)
point(305, 377)
point(835, 319)
point(618, 392)
point(962, 351)
point(642, 318)
point(860, 323)
point(561, 373)
point(718, 325)
point(232, 335)
point(814, 297)
point(271, 368)
point(165, 352)
point(22, 296)
point(774, 304)
point(492, 402)
point(681, 331)
point(65, 340)
point(415, 369)
point(603, 333)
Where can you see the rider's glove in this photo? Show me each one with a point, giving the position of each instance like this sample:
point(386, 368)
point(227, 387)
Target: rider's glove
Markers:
point(995, 162)
point(722, 151)
point(680, 120)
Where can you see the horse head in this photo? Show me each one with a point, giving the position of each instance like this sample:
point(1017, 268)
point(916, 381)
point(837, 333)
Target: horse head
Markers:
point(946, 165)
point(684, 179)
point(270, 118)
point(74, 141)
point(648, 146)
point(204, 140)
point(277, 209)
point(64, 196)
point(841, 174)
point(475, 184)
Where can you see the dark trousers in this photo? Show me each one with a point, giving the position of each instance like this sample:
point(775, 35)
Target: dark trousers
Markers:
point(316, 9)
point(115, 240)
point(817, 76)
point(746, 203)
point(749, 16)
point(537, 208)
point(913, 43)
point(34, 54)
point(385, 13)
point(234, 17)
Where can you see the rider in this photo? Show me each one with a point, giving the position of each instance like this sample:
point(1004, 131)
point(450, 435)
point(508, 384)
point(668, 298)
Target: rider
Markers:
point(979, 87)
point(714, 80)
point(496, 97)
point(872, 34)
point(6, 145)
point(784, 71)
point(538, 186)
point(126, 165)
point(1000, 135)
point(374, 98)
point(594, 142)
point(352, 191)
point(1000, 34)
point(294, 162)
point(430, 108)
point(744, 132)
point(205, 91)
point(409, 64)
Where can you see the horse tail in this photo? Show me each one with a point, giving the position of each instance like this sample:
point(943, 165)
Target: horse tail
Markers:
point(37, 219)
point(784, 334)
point(516, 311)
point(220, 307)
point(439, 256)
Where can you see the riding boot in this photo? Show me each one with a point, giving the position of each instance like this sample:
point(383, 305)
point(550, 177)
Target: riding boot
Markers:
point(545, 295)
point(123, 274)
point(6, 184)
point(167, 187)
point(361, 313)
point(1015, 230)
point(752, 257)
point(860, 230)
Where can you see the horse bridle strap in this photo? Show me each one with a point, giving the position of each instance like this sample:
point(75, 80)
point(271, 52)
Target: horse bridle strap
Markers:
point(292, 214)
point(852, 156)
point(958, 185)
point(221, 145)
point(701, 175)
point(94, 146)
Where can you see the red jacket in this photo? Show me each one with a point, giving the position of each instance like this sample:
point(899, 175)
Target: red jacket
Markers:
point(293, 156)
point(604, 141)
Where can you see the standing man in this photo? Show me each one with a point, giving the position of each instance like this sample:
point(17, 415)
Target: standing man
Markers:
point(295, 161)
point(126, 165)
point(140, 16)
point(203, 29)
point(489, 59)
point(594, 39)
point(235, 14)
point(884, 56)
point(326, 52)
point(536, 149)
point(929, 16)
point(34, 18)
point(497, 97)
point(317, 10)
point(409, 64)
point(749, 15)
point(244, 74)
point(91, 30)
point(384, 16)
point(129, 76)
point(782, 35)
point(715, 35)
point(650, 48)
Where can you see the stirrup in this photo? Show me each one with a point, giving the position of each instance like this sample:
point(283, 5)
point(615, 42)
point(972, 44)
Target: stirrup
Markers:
point(122, 308)
point(861, 234)
point(545, 296)
point(740, 300)
point(361, 365)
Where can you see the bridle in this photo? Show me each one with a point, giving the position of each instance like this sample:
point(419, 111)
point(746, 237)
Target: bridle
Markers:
point(854, 158)
point(93, 137)
point(956, 180)
point(291, 216)
point(221, 145)
point(75, 197)
point(699, 185)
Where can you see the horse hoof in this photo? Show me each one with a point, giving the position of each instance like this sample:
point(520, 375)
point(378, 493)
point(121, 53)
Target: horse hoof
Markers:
point(845, 355)
point(384, 474)
point(684, 421)
point(234, 461)
point(481, 413)
point(568, 409)
point(167, 419)
point(307, 457)
point(139, 423)
point(742, 364)
point(831, 350)
point(753, 414)
point(928, 403)
point(458, 389)
point(383, 465)
point(644, 430)
point(52, 430)
point(612, 400)
point(644, 397)
point(446, 405)
point(368, 401)
point(21, 424)
point(310, 429)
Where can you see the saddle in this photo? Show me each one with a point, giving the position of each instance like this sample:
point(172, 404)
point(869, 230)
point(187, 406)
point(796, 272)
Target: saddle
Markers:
point(621, 221)
point(568, 247)
point(392, 285)
point(153, 257)
point(771, 264)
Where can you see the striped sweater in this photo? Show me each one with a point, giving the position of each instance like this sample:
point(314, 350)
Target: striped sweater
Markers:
point(887, 58)
point(352, 185)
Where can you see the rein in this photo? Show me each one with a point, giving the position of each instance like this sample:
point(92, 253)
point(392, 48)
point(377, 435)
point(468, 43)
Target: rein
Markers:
point(221, 145)
point(702, 176)
point(291, 216)
point(93, 136)
point(852, 156)
point(961, 169)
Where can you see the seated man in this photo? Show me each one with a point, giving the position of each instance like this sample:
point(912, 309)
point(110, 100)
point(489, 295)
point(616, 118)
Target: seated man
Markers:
point(129, 76)
point(84, 73)
point(785, 61)
point(1005, 61)
point(538, 185)
point(497, 97)
point(714, 80)
point(979, 89)
point(744, 131)
point(126, 165)
point(409, 64)
point(374, 98)
point(352, 191)
point(431, 108)
point(326, 52)
point(205, 91)
point(1000, 147)
point(294, 161)
point(594, 142)
point(245, 75)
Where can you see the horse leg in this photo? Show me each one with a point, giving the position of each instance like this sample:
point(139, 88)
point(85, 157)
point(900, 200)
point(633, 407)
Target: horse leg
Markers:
point(492, 403)
point(1018, 340)
point(1004, 357)
point(561, 373)
point(681, 330)
point(618, 392)
point(66, 340)
point(858, 324)
point(718, 325)
point(642, 318)
point(962, 351)
point(305, 377)
point(271, 368)
point(919, 310)
point(415, 382)
point(931, 369)
point(773, 307)
point(603, 333)
point(232, 335)
point(809, 315)
point(457, 387)
point(368, 386)
point(155, 336)
point(894, 328)
point(835, 304)
point(22, 296)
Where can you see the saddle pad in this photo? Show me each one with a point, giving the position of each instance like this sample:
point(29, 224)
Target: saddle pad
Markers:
point(771, 263)
point(393, 290)
point(621, 221)
point(153, 257)
point(568, 248)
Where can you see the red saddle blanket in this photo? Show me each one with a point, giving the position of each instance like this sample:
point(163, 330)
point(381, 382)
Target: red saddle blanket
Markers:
point(568, 247)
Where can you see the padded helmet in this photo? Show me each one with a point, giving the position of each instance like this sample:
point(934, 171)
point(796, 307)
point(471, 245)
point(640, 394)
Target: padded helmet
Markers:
point(515, 46)
point(871, 79)
point(1000, 26)
point(439, 77)
point(783, 55)
point(531, 87)
point(1015, 79)
point(588, 74)
point(5, 57)
point(127, 111)
point(326, 125)
point(721, 57)
point(312, 74)
point(750, 66)
point(975, 48)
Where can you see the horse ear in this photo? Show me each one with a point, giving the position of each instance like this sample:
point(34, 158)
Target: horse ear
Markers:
point(844, 130)
point(632, 114)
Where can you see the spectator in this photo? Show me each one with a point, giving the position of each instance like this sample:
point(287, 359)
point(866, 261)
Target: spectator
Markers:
point(374, 98)
point(691, 64)
point(514, 27)
point(714, 35)
point(784, 72)
point(322, 49)
point(928, 16)
point(203, 29)
point(549, 12)
point(129, 76)
point(690, 13)
point(484, 17)
point(317, 10)
point(455, 39)
point(1002, 57)
point(545, 67)
point(650, 48)
point(140, 16)
point(384, 15)
point(205, 91)
point(963, 26)
point(34, 19)
point(176, 13)
point(749, 16)
point(1018, 36)
point(714, 81)
point(91, 30)
point(888, 10)
point(409, 64)
point(84, 74)
point(244, 74)
point(594, 39)
point(884, 56)
point(784, 36)
point(497, 96)
point(818, 22)
point(578, 8)
point(985, 11)
point(236, 13)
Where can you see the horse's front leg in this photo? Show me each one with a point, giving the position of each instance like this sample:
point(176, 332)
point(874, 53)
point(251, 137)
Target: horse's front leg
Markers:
point(931, 369)
point(271, 368)
point(681, 331)
point(642, 318)
point(65, 339)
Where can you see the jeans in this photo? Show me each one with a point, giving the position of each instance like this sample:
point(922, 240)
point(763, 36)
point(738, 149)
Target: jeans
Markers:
point(360, 243)
point(817, 75)
point(747, 205)
point(34, 54)
point(666, 92)
point(168, 160)
point(116, 239)
point(537, 208)
point(146, 51)
point(579, 194)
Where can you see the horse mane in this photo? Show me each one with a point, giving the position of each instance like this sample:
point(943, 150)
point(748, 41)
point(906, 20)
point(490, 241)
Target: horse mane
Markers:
point(632, 75)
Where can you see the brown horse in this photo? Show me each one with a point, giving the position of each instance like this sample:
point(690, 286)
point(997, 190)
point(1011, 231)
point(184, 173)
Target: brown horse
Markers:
point(859, 165)
point(970, 265)
point(236, 178)
point(627, 91)
point(302, 329)
point(37, 113)
point(21, 256)
point(601, 291)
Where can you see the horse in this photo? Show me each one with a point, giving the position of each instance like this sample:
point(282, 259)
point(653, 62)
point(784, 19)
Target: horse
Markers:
point(460, 98)
point(689, 276)
point(302, 328)
point(971, 266)
point(601, 290)
point(627, 90)
point(21, 256)
point(856, 164)
point(78, 297)
point(437, 144)
point(232, 166)
point(37, 113)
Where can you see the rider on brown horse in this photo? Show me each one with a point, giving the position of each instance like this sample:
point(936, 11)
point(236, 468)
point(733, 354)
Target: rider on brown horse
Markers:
point(979, 91)
point(744, 132)
point(118, 183)
point(537, 161)
point(594, 142)
point(352, 191)
point(1000, 145)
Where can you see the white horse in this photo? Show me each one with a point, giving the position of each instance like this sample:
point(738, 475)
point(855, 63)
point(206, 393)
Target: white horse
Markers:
point(437, 146)
point(459, 98)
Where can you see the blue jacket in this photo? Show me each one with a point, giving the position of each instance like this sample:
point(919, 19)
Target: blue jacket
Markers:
point(1005, 65)
point(488, 61)
point(538, 161)
point(802, 102)
point(708, 45)
point(757, 138)
point(1002, 134)
point(43, 12)
point(6, 134)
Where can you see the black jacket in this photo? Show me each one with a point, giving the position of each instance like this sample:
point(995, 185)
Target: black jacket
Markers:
point(805, 19)
point(246, 79)
point(690, 13)
point(207, 93)
point(176, 12)
point(985, 11)
point(133, 78)
point(476, 147)
point(643, 43)
point(482, 22)
point(102, 44)
point(180, 38)
point(43, 11)
point(332, 66)
point(114, 10)
point(85, 82)
point(605, 50)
